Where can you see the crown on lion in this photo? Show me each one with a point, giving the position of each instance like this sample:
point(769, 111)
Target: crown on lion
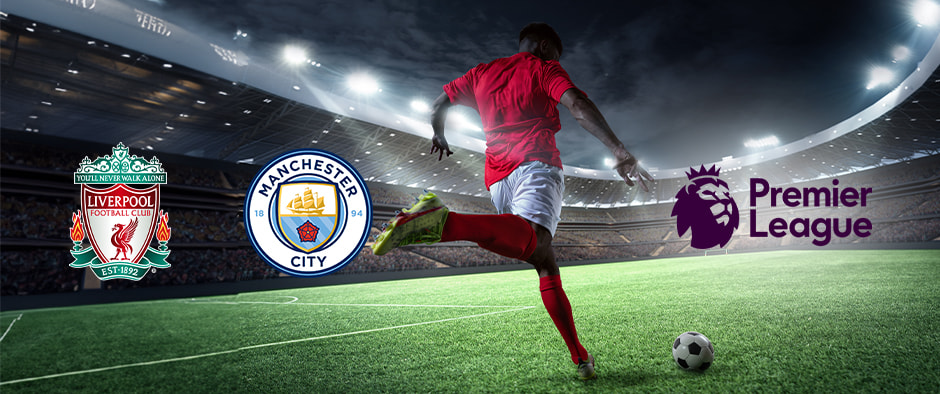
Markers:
point(703, 173)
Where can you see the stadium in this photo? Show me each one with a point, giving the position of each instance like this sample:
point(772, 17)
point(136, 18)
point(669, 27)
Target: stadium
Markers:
point(784, 312)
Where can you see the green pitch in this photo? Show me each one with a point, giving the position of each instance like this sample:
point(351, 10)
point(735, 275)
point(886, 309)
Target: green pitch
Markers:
point(819, 321)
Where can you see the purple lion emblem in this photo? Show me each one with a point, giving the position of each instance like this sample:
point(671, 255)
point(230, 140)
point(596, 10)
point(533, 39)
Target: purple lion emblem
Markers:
point(706, 206)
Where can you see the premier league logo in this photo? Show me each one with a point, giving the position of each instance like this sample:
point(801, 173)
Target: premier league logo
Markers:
point(308, 213)
point(705, 205)
point(120, 220)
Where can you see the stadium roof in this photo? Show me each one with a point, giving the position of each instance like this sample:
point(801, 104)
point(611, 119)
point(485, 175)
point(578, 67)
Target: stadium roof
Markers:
point(67, 73)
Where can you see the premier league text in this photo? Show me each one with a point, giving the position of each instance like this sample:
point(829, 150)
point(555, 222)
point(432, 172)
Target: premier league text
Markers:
point(822, 229)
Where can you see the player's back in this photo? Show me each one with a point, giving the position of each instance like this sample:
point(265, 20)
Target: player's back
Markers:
point(517, 98)
point(510, 93)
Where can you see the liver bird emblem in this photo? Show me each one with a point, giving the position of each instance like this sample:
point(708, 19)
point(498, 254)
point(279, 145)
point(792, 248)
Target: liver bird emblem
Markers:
point(121, 239)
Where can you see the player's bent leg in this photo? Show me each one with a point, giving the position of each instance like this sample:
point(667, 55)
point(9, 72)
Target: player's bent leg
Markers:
point(429, 221)
point(506, 235)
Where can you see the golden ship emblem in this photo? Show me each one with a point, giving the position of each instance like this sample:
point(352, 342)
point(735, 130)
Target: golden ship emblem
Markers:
point(309, 204)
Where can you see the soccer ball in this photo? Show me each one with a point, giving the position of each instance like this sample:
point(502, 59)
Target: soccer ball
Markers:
point(693, 351)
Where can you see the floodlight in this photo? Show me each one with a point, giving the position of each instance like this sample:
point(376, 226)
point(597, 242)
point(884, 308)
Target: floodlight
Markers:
point(420, 106)
point(926, 12)
point(294, 55)
point(879, 76)
point(362, 83)
point(900, 53)
point(762, 142)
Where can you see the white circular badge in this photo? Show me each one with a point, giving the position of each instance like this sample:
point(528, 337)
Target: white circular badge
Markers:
point(308, 213)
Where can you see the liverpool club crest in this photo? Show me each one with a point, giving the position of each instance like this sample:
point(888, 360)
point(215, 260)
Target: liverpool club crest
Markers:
point(120, 220)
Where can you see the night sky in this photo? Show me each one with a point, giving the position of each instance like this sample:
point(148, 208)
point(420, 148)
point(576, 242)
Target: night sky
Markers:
point(680, 82)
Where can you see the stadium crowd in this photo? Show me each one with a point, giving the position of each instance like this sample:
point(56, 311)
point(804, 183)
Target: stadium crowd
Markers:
point(395, 260)
point(603, 252)
point(35, 217)
point(36, 271)
point(207, 226)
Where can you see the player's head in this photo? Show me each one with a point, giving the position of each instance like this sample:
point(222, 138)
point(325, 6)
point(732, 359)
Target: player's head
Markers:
point(541, 40)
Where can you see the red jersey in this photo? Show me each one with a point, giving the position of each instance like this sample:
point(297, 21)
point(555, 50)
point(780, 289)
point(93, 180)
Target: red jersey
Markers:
point(517, 98)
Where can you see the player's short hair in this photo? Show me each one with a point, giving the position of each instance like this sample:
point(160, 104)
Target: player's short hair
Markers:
point(541, 31)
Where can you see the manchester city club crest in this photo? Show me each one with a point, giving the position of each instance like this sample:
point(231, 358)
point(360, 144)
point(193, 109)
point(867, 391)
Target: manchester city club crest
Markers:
point(120, 220)
point(308, 213)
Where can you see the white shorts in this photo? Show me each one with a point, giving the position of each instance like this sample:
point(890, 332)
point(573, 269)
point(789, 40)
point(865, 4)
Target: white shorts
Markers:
point(533, 191)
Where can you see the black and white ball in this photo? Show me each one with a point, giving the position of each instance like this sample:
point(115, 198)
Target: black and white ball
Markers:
point(693, 351)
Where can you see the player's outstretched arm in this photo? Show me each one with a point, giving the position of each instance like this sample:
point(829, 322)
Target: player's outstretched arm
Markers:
point(591, 119)
point(438, 116)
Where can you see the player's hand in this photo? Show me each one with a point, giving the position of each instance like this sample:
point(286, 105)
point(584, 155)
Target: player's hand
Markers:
point(629, 169)
point(439, 145)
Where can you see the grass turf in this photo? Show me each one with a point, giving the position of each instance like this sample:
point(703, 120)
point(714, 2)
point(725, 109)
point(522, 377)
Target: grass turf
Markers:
point(814, 321)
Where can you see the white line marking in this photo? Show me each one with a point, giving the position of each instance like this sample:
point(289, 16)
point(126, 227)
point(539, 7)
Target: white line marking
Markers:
point(11, 326)
point(193, 301)
point(169, 360)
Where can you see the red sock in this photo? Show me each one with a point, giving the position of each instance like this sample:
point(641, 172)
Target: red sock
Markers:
point(556, 302)
point(506, 235)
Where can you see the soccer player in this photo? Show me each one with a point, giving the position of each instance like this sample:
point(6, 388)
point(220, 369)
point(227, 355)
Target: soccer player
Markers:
point(517, 98)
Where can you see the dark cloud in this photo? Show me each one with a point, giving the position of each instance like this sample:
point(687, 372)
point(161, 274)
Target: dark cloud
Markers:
point(681, 82)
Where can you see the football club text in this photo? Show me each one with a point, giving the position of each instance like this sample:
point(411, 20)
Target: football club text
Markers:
point(312, 167)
